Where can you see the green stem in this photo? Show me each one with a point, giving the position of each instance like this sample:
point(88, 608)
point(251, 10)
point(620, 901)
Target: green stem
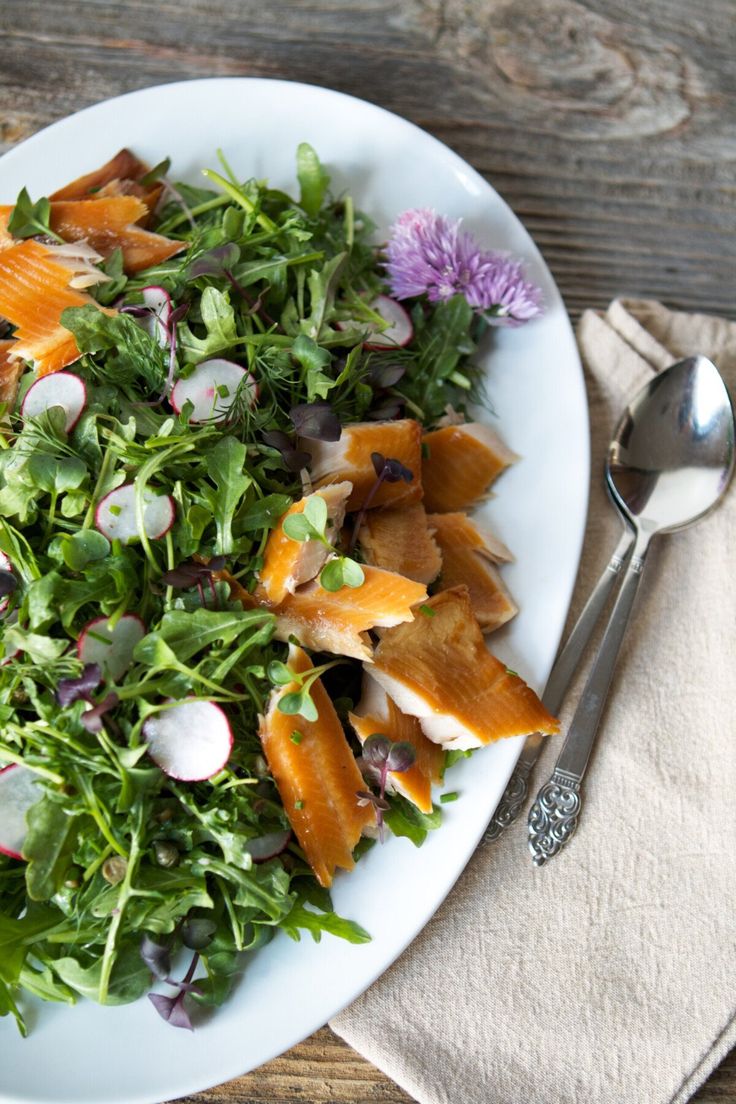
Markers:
point(89, 517)
point(242, 200)
point(108, 957)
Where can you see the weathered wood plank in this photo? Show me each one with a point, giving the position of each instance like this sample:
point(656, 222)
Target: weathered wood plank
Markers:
point(608, 125)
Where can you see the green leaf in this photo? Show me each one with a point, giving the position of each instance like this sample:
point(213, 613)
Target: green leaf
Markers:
point(322, 286)
point(332, 576)
point(297, 528)
point(263, 514)
point(155, 652)
point(184, 634)
point(129, 980)
point(28, 219)
point(48, 846)
point(41, 649)
point(59, 474)
point(353, 574)
point(279, 673)
point(218, 319)
point(315, 510)
point(298, 702)
point(9, 1007)
point(313, 179)
point(313, 359)
point(302, 918)
point(225, 464)
point(404, 819)
point(131, 354)
point(83, 548)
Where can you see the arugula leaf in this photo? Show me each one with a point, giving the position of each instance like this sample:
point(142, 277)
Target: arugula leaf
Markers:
point(404, 819)
point(226, 468)
point(302, 918)
point(129, 980)
point(218, 319)
point(189, 633)
point(313, 179)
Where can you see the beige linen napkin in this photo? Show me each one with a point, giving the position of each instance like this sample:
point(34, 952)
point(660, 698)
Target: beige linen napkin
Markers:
point(609, 975)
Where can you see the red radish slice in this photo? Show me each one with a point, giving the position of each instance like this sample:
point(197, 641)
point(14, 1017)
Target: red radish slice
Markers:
point(5, 565)
point(62, 389)
point(268, 846)
point(400, 331)
point(115, 515)
point(211, 389)
point(189, 742)
point(111, 648)
point(158, 300)
point(18, 792)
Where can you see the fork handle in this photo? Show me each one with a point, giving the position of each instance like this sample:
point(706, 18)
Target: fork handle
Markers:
point(515, 794)
point(554, 815)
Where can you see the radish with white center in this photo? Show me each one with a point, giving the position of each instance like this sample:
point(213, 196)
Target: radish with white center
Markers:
point(115, 516)
point(62, 389)
point(111, 648)
point(18, 792)
point(211, 389)
point(399, 332)
point(191, 741)
point(158, 301)
point(5, 565)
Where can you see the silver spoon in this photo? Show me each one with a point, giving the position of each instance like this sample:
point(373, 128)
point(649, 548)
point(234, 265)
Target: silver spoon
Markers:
point(668, 465)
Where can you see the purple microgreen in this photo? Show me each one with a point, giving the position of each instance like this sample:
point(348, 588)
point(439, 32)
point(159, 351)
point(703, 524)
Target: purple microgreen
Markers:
point(387, 411)
point(381, 755)
point(383, 374)
point(316, 421)
point(197, 932)
point(172, 1009)
point(388, 470)
point(70, 690)
point(294, 459)
point(135, 311)
point(190, 573)
point(8, 583)
point(376, 750)
point(92, 719)
point(400, 757)
point(157, 957)
point(365, 797)
point(214, 262)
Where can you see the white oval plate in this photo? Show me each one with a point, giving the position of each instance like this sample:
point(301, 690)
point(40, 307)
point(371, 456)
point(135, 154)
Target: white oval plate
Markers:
point(128, 1055)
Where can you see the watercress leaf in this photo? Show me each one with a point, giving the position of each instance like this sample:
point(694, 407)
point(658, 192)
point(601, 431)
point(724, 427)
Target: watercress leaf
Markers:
point(352, 573)
point(298, 703)
point(57, 474)
point(84, 547)
point(313, 179)
point(279, 673)
point(28, 218)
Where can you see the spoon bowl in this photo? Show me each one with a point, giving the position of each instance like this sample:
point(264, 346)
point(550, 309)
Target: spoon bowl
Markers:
point(672, 452)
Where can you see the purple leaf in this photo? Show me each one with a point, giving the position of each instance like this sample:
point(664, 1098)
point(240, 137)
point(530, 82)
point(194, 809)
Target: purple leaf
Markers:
point(171, 1009)
point(316, 421)
point(383, 375)
point(376, 750)
point(215, 261)
point(386, 412)
point(390, 470)
point(71, 689)
point(365, 797)
point(92, 719)
point(294, 459)
point(136, 312)
point(157, 957)
point(401, 756)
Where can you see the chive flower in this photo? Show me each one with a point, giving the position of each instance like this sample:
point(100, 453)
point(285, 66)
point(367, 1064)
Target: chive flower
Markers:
point(428, 254)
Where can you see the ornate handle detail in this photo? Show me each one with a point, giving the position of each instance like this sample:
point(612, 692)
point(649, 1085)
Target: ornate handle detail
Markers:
point(554, 816)
point(511, 802)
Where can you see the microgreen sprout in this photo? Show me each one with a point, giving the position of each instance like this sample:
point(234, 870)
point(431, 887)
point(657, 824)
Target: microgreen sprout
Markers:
point(191, 573)
point(317, 421)
point(311, 524)
point(297, 701)
point(388, 470)
point(295, 459)
point(381, 756)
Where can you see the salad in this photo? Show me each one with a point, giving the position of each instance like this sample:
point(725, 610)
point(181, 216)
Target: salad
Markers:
point(240, 594)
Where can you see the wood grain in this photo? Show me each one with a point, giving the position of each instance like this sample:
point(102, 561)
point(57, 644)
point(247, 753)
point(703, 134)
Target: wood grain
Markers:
point(608, 125)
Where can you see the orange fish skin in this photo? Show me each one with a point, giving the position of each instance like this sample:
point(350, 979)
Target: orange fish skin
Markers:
point(109, 223)
point(317, 778)
point(287, 564)
point(399, 539)
point(438, 669)
point(468, 557)
point(350, 458)
point(460, 463)
point(123, 166)
point(377, 713)
point(34, 292)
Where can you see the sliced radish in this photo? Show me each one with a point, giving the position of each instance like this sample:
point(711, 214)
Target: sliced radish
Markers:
point(115, 515)
point(189, 742)
point(5, 565)
point(111, 648)
point(400, 330)
point(269, 846)
point(158, 301)
point(211, 389)
point(62, 389)
point(18, 792)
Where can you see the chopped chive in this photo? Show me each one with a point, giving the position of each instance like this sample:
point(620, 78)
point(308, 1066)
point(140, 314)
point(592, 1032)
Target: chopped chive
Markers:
point(446, 798)
point(299, 804)
point(427, 611)
point(115, 510)
point(514, 673)
point(296, 736)
point(426, 451)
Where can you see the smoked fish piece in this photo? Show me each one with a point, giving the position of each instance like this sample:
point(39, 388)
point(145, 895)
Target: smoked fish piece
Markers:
point(350, 458)
point(317, 777)
point(377, 713)
point(10, 372)
point(34, 291)
point(338, 621)
point(287, 564)
point(459, 464)
point(469, 556)
point(400, 539)
point(437, 668)
point(107, 223)
point(124, 166)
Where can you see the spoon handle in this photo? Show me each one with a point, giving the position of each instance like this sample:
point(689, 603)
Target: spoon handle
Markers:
point(562, 672)
point(554, 815)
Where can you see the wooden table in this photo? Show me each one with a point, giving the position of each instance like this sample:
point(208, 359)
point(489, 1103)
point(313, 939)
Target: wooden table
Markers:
point(608, 125)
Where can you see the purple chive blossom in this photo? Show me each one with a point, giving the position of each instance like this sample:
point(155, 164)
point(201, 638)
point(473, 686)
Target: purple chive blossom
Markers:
point(430, 255)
